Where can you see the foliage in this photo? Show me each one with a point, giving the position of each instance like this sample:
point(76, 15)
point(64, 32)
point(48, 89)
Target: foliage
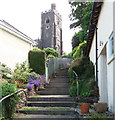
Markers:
point(85, 71)
point(73, 91)
point(8, 105)
point(80, 49)
point(81, 12)
point(8, 88)
point(73, 51)
point(97, 116)
point(80, 15)
point(21, 72)
point(50, 56)
point(36, 48)
point(37, 61)
point(5, 73)
point(75, 40)
point(52, 52)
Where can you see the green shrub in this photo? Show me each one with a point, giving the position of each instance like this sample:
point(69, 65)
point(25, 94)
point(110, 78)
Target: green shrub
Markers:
point(21, 72)
point(50, 56)
point(73, 91)
point(80, 49)
point(73, 51)
point(37, 61)
point(9, 104)
point(52, 52)
point(85, 71)
point(83, 67)
point(5, 73)
point(8, 88)
point(36, 48)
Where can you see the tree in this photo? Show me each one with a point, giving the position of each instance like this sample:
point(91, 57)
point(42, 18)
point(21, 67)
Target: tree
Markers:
point(80, 15)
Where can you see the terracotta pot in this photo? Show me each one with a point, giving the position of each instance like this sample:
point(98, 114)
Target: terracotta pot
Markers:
point(85, 108)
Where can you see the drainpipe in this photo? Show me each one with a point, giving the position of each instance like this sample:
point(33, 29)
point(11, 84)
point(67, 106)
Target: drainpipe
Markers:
point(96, 46)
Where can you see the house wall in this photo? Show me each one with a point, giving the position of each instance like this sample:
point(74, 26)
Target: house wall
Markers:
point(106, 67)
point(13, 49)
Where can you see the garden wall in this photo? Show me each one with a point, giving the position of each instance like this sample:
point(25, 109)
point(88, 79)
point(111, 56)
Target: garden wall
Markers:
point(55, 64)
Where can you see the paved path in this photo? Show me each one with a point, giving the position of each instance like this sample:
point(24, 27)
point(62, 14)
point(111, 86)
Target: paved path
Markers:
point(54, 102)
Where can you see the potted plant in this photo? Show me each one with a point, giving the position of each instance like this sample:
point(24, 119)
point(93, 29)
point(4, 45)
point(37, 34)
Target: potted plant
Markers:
point(85, 107)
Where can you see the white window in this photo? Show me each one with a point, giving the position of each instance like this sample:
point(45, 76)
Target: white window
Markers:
point(111, 47)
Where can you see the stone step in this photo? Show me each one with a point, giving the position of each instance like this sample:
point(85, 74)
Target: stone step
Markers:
point(47, 98)
point(62, 80)
point(58, 85)
point(58, 92)
point(61, 76)
point(51, 103)
point(48, 112)
point(55, 89)
point(46, 117)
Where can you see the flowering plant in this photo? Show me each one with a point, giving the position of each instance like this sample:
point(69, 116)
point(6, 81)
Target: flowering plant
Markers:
point(29, 87)
point(68, 64)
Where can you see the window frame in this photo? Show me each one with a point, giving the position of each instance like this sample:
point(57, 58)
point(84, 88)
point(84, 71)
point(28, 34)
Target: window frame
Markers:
point(111, 52)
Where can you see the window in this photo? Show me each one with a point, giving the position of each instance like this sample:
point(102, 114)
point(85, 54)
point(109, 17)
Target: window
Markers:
point(111, 44)
point(111, 47)
point(47, 20)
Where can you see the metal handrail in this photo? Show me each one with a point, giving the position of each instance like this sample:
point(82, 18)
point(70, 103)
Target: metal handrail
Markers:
point(76, 82)
point(8, 96)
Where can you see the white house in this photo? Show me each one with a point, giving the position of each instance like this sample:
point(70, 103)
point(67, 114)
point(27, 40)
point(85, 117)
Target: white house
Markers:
point(14, 45)
point(102, 18)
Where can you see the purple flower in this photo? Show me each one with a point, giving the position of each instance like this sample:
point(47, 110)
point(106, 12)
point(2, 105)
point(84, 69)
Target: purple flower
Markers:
point(29, 87)
point(43, 78)
point(31, 82)
point(37, 83)
point(32, 77)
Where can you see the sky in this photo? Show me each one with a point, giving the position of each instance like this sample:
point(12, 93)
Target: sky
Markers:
point(25, 15)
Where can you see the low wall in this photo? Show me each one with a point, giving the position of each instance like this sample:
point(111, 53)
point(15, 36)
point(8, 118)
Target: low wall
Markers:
point(55, 64)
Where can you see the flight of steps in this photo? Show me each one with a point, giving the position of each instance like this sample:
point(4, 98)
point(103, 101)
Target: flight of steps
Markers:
point(54, 102)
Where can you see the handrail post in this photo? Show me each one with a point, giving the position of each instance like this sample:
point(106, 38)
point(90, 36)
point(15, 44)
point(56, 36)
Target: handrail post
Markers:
point(47, 71)
point(76, 82)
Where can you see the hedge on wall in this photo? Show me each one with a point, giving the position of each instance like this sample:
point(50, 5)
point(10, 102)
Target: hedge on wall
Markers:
point(37, 61)
point(51, 51)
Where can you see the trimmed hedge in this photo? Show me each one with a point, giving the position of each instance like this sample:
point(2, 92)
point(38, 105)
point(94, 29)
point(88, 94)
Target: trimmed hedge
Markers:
point(37, 61)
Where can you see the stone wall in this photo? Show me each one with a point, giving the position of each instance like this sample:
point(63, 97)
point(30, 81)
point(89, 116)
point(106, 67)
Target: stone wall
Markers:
point(22, 99)
point(23, 95)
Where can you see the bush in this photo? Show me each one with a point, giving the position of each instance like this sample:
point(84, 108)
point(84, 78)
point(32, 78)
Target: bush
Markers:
point(37, 61)
point(5, 73)
point(9, 104)
point(85, 71)
point(73, 91)
point(36, 48)
point(50, 56)
point(52, 52)
point(79, 50)
point(21, 72)
point(73, 51)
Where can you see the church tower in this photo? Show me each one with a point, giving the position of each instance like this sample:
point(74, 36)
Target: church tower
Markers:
point(51, 29)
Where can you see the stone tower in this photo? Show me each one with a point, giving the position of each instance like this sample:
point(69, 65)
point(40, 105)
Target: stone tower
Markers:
point(51, 29)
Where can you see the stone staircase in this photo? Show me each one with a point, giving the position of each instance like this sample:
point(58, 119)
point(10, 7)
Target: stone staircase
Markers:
point(54, 102)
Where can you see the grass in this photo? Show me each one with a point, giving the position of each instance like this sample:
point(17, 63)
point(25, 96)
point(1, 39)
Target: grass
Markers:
point(97, 115)
point(48, 108)
point(36, 96)
point(29, 108)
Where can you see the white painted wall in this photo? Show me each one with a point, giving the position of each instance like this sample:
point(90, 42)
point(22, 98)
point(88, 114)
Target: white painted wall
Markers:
point(106, 70)
point(13, 49)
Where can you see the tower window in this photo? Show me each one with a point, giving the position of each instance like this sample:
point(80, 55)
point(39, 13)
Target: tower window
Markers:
point(47, 20)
